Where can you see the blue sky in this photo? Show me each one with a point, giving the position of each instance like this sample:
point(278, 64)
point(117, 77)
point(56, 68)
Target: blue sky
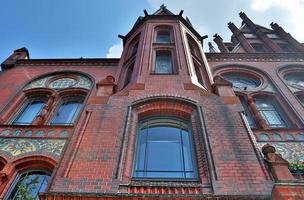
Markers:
point(89, 28)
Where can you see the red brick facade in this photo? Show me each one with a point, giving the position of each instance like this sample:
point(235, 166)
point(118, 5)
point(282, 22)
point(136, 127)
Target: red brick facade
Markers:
point(93, 157)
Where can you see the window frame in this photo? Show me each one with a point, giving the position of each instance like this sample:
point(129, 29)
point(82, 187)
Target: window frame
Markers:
point(24, 105)
point(165, 30)
point(192, 150)
point(62, 101)
point(275, 107)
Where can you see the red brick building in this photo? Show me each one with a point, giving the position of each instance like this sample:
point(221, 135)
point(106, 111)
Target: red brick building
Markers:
point(166, 120)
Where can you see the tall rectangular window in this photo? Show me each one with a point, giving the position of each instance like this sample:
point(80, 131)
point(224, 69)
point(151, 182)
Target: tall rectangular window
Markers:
point(163, 62)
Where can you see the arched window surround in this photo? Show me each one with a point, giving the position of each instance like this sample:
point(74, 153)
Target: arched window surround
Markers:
point(161, 106)
point(23, 164)
point(246, 72)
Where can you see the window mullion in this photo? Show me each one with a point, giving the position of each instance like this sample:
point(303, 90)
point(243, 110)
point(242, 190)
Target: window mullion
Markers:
point(182, 148)
point(146, 149)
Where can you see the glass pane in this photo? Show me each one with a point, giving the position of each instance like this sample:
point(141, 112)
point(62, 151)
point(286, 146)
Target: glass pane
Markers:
point(164, 149)
point(163, 63)
point(163, 37)
point(242, 82)
point(29, 113)
point(295, 79)
point(141, 149)
point(67, 113)
point(187, 151)
point(29, 186)
point(273, 118)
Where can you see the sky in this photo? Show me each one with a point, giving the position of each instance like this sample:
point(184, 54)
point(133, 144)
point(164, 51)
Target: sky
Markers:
point(90, 28)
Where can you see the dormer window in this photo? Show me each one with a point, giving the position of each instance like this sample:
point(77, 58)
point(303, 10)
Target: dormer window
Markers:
point(163, 37)
point(163, 62)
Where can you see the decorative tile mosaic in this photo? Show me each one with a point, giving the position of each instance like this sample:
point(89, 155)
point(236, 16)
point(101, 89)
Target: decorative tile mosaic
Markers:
point(288, 150)
point(67, 82)
point(17, 147)
point(34, 133)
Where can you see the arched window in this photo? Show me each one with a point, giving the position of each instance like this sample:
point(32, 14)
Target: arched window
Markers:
point(295, 79)
point(29, 111)
point(163, 36)
point(28, 185)
point(164, 149)
point(242, 81)
point(163, 62)
point(271, 112)
point(67, 111)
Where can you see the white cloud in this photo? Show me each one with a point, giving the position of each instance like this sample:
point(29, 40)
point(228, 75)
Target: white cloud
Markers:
point(210, 17)
point(115, 51)
point(294, 8)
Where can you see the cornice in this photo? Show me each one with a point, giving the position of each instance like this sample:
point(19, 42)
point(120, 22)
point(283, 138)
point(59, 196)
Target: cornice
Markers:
point(256, 57)
point(70, 62)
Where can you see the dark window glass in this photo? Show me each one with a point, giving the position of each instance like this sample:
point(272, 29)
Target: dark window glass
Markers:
point(163, 63)
point(164, 150)
point(29, 185)
point(67, 112)
point(242, 82)
point(285, 48)
point(295, 79)
point(271, 112)
point(198, 74)
point(247, 113)
point(301, 98)
point(163, 37)
point(259, 48)
point(134, 49)
point(30, 111)
point(129, 74)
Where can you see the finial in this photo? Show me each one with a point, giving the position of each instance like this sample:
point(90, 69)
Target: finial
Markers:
point(162, 6)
